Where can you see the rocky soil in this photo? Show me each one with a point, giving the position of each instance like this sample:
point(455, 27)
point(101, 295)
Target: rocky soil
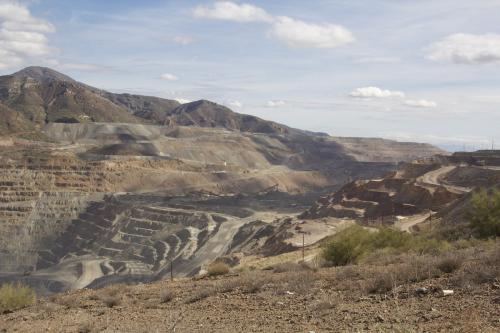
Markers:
point(346, 299)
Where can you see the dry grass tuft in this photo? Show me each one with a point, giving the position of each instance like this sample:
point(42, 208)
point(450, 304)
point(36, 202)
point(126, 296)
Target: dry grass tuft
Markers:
point(302, 282)
point(226, 286)
point(326, 303)
point(68, 302)
point(198, 296)
point(449, 264)
point(166, 296)
point(218, 268)
point(110, 301)
point(291, 267)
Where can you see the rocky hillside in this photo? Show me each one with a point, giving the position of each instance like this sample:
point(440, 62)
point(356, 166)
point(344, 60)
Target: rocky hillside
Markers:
point(41, 95)
point(439, 186)
point(208, 114)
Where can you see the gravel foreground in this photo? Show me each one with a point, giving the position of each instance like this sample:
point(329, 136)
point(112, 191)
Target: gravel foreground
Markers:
point(325, 300)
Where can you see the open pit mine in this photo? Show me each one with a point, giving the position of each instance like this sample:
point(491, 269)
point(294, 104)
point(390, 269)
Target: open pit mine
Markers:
point(98, 188)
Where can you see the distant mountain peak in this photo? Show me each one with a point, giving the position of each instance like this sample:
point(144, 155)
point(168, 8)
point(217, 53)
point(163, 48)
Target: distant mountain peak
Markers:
point(203, 102)
point(42, 74)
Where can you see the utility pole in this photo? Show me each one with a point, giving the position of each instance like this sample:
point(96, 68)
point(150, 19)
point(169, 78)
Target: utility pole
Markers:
point(303, 247)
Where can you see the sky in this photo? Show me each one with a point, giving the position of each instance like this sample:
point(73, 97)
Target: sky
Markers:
point(426, 70)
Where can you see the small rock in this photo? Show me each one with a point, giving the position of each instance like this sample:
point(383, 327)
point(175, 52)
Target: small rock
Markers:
point(421, 291)
point(380, 319)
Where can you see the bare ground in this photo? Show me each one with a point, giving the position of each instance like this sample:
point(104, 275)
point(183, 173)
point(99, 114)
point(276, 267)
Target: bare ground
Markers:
point(347, 299)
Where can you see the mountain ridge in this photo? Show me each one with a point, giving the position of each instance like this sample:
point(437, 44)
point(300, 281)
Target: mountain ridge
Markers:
point(42, 95)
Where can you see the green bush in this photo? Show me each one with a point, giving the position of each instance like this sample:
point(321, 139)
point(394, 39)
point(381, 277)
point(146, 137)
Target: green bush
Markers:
point(15, 296)
point(356, 242)
point(484, 215)
point(347, 246)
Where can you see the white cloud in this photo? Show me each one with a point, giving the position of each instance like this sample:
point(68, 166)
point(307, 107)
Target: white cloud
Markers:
point(297, 33)
point(182, 100)
point(274, 104)
point(377, 60)
point(421, 103)
point(293, 32)
point(374, 92)
point(466, 49)
point(235, 104)
point(22, 36)
point(168, 77)
point(230, 11)
point(183, 40)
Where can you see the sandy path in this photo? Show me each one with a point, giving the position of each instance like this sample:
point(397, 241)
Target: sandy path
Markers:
point(91, 271)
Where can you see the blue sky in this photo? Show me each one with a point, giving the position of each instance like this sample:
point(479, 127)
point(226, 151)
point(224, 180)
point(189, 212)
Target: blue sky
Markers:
point(426, 70)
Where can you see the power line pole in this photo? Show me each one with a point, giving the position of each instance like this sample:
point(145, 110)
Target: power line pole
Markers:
point(303, 247)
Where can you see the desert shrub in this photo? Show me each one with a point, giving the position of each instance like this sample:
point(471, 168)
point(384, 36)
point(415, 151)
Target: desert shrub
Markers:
point(291, 267)
point(198, 296)
point(68, 302)
point(15, 296)
point(484, 215)
point(476, 274)
point(415, 269)
point(486, 274)
point(419, 268)
point(493, 256)
point(226, 286)
point(110, 301)
point(166, 296)
point(390, 238)
point(348, 272)
point(252, 282)
point(356, 242)
point(301, 282)
point(116, 289)
point(382, 282)
point(450, 263)
point(347, 246)
point(218, 268)
point(425, 245)
point(326, 303)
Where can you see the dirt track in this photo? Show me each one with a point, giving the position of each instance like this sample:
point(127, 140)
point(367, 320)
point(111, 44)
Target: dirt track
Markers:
point(407, 223)
point(435, 178)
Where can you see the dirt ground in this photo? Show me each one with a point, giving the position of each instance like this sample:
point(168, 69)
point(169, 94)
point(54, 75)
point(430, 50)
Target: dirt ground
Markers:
point(286, 299)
